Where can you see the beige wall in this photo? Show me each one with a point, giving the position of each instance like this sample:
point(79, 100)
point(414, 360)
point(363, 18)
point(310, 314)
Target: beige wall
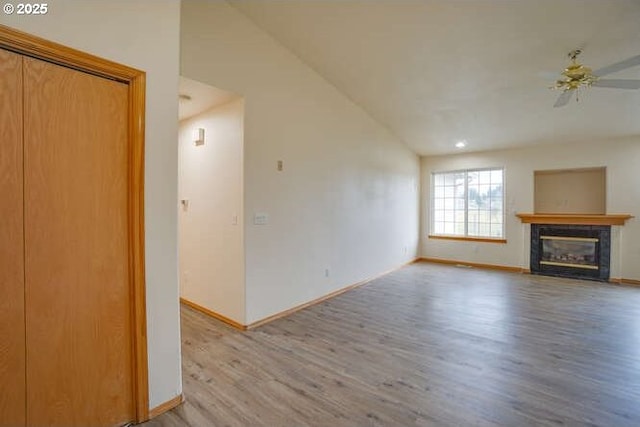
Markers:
point(210, 224)
point(621, 158)
point(347, 199)
point(143, 34)
point(569, 191)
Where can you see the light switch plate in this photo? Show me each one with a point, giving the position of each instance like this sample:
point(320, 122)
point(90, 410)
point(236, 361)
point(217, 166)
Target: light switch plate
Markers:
point(261, 218)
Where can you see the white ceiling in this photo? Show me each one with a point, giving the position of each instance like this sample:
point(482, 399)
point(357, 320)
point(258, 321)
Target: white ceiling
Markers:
point(202, 97)
point(437, 71)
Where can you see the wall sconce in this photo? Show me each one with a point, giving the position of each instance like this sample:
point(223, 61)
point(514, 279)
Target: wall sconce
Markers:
point(198, 136)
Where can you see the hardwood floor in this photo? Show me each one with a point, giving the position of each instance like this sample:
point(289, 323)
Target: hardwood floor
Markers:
point(427, 345)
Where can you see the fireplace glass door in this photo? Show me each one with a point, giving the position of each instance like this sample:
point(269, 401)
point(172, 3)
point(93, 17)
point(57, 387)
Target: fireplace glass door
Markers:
point(574, 252)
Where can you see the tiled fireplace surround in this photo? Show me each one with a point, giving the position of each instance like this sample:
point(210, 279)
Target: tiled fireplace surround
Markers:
point(594, 230)
point(594, 240)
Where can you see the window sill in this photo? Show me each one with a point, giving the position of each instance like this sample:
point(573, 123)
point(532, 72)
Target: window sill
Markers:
point(467, 239)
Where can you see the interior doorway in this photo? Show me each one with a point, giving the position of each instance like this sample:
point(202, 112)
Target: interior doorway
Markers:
point(210, 192)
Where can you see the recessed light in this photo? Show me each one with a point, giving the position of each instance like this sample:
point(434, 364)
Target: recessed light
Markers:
point(461, 144)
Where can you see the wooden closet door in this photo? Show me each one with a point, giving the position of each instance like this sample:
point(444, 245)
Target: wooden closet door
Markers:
point(12, 373)
point(78, 298)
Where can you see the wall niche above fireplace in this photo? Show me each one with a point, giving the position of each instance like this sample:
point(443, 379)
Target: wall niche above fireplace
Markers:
point(570, 191)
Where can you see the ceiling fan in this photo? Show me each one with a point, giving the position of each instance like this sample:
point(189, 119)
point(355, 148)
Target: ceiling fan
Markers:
point(577, 76)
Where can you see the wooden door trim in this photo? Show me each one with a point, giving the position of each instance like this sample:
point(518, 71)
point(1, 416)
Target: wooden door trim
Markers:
point(29, 45)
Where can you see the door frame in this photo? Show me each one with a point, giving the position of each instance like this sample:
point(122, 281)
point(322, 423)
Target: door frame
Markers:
point(36, 47)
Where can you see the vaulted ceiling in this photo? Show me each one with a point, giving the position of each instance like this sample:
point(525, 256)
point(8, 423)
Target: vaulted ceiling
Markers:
point(438, 71)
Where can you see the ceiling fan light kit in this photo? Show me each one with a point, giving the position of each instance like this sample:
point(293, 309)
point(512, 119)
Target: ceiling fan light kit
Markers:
point(577, 76)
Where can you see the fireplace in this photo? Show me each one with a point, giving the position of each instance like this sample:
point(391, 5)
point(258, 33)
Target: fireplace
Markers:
point(579, 251)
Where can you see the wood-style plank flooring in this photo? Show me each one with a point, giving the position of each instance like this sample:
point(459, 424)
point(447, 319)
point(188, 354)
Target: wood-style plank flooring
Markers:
point(427, 345)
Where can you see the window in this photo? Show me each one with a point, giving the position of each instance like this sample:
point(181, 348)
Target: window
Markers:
point(468, 203)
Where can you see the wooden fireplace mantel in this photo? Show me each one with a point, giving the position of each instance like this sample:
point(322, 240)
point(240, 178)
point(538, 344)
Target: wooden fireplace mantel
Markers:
point(576, 219)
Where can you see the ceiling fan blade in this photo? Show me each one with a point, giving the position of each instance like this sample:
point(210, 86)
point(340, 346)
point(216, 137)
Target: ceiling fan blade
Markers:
point(618, 66)
point(618, 83)
point(564, 98)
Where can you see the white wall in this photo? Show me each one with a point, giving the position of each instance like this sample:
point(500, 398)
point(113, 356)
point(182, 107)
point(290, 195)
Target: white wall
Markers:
point(143, 34)
point(211, 238)
point(621, 157)
point(347, 199)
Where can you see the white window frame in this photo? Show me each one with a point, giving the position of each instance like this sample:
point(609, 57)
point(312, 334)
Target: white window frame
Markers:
point(466, 235)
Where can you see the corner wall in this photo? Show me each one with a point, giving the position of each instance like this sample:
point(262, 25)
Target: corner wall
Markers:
point(211, 240)
point(621, 158)
point(143, 34)
point(345, 206)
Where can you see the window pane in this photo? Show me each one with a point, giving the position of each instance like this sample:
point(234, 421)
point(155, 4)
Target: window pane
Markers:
point(496, 176)
point(449, 191)
point(484, 191)
point(485, 177)
point(495, 191)
point(448, 203)
point(484, 229)
point(450, 179)
point(474, 196)
point(473, 229)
